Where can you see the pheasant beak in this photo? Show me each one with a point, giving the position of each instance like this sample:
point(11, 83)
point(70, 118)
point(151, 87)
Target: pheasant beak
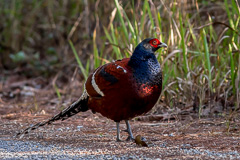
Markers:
point(162, 45)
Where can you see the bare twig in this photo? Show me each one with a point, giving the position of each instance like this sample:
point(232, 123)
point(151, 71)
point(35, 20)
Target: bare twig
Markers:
point(213, 23)
point(75, 26)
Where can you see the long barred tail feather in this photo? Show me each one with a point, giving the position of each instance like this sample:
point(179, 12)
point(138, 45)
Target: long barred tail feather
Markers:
point(79, 106)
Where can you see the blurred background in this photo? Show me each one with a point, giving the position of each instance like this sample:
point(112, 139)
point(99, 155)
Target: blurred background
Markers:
point(50, 47)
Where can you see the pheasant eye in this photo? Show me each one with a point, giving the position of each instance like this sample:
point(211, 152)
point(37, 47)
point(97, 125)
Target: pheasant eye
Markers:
point(154, 42)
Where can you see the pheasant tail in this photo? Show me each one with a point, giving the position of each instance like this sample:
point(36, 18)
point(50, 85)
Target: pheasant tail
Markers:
point(79, 106)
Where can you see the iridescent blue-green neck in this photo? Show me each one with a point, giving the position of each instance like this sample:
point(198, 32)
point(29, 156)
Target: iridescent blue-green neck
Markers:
point(145, 66)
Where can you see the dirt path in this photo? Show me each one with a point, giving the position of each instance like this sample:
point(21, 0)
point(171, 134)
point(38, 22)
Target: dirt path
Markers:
point(89, 136)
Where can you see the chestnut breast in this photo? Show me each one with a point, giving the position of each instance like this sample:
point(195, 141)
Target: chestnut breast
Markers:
point(115, 92)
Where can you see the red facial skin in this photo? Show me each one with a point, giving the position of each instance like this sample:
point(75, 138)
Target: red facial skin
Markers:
point(154, 42)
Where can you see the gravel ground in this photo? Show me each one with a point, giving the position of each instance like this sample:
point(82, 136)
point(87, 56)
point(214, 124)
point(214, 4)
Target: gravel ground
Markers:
point(10, 149)
point(93, 137)
point(15, 149)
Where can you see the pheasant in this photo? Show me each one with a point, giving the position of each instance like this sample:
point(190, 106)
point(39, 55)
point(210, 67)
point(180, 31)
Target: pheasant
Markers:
point(119, 90)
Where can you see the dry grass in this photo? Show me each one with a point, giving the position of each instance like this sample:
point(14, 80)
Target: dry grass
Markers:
point(201, 65)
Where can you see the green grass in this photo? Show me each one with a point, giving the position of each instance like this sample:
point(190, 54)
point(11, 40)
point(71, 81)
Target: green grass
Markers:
point(82, 68)
point(202, 58)
point(205, 53)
